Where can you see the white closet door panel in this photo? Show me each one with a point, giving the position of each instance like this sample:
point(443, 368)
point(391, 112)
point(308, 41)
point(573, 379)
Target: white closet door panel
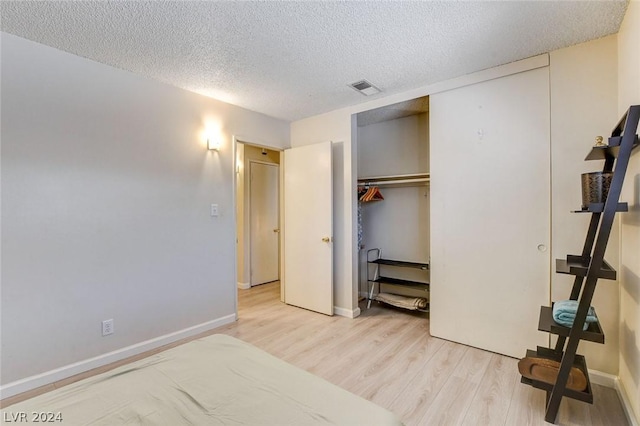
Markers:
point(490, 212)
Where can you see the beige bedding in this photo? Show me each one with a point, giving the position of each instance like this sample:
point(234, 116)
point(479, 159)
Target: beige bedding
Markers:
point(216, 380)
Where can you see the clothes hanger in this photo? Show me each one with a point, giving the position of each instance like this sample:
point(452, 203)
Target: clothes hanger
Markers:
point(362, 189)
point(368, 195)
point(362, 192)
point(372, 194)
point(377, 195)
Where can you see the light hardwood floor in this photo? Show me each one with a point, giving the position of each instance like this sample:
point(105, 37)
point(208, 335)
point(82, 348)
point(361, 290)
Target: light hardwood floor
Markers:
point(387, 356)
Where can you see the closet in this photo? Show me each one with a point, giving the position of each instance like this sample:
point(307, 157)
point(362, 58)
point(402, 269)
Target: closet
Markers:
point(491, 203)
point(393, 194)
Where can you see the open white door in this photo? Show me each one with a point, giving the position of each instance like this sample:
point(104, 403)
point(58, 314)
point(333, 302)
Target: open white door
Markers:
point(308, 213)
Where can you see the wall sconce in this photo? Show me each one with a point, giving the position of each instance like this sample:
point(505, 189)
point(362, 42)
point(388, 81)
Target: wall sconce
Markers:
point(213, 144)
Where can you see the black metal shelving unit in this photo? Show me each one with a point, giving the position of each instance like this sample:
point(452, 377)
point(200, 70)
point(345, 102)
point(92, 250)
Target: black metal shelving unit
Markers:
point(379, 279)
point(587, 268)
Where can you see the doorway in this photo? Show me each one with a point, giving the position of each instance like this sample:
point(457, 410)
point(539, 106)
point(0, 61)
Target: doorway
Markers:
point(309, 248)
point(257, 214)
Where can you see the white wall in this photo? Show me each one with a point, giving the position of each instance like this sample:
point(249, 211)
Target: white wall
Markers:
point(106, 188)
point(399, 146)
point(342, 299)
point(629, 272)
point(583, 106)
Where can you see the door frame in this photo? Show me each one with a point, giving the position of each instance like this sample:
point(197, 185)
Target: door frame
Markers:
point(249, 222)
point(257, 142)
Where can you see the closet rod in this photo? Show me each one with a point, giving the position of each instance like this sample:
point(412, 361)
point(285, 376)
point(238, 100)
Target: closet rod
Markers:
point(422, 178)
point(393, 182)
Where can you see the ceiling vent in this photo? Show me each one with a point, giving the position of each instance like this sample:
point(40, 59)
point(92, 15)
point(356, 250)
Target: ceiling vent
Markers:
point(364, 87)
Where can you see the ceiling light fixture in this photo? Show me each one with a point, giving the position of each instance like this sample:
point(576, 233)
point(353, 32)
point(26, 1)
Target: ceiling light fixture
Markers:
point(364, 87)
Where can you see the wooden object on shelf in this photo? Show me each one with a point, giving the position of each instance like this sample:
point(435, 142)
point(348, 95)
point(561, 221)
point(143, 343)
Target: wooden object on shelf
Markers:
point(587, 268)
point(585, 395)
point(546, 370)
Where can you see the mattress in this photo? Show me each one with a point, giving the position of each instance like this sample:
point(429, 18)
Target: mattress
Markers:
point(216, 380)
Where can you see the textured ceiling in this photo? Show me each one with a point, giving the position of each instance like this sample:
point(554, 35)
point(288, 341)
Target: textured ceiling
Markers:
point(295, 59)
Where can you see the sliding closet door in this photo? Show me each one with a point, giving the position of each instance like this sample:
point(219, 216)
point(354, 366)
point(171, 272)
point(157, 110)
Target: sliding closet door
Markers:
point(490, 212)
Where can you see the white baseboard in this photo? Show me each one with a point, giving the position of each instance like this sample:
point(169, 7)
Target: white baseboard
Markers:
point(244, 286)
point(611, 381)
point(603, 379)
point(626, 403)
point(349, 313)
point(23, 385)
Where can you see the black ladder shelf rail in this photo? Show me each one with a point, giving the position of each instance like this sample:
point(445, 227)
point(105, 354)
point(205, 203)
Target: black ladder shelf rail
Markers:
point(588, 268)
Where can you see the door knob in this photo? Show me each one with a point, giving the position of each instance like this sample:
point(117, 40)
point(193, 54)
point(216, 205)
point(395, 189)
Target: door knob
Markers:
point(542, 248)
point(326, 240)
point(276, 230)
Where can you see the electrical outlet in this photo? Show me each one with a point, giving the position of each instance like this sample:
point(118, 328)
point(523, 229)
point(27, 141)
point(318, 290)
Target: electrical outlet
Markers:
point(107, 327)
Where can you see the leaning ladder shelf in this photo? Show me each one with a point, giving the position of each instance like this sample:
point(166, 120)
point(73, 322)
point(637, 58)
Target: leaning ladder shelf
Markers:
point(587, 268)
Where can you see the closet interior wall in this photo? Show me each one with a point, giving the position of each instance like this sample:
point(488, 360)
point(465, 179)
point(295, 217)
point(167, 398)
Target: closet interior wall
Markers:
point(399, 224)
